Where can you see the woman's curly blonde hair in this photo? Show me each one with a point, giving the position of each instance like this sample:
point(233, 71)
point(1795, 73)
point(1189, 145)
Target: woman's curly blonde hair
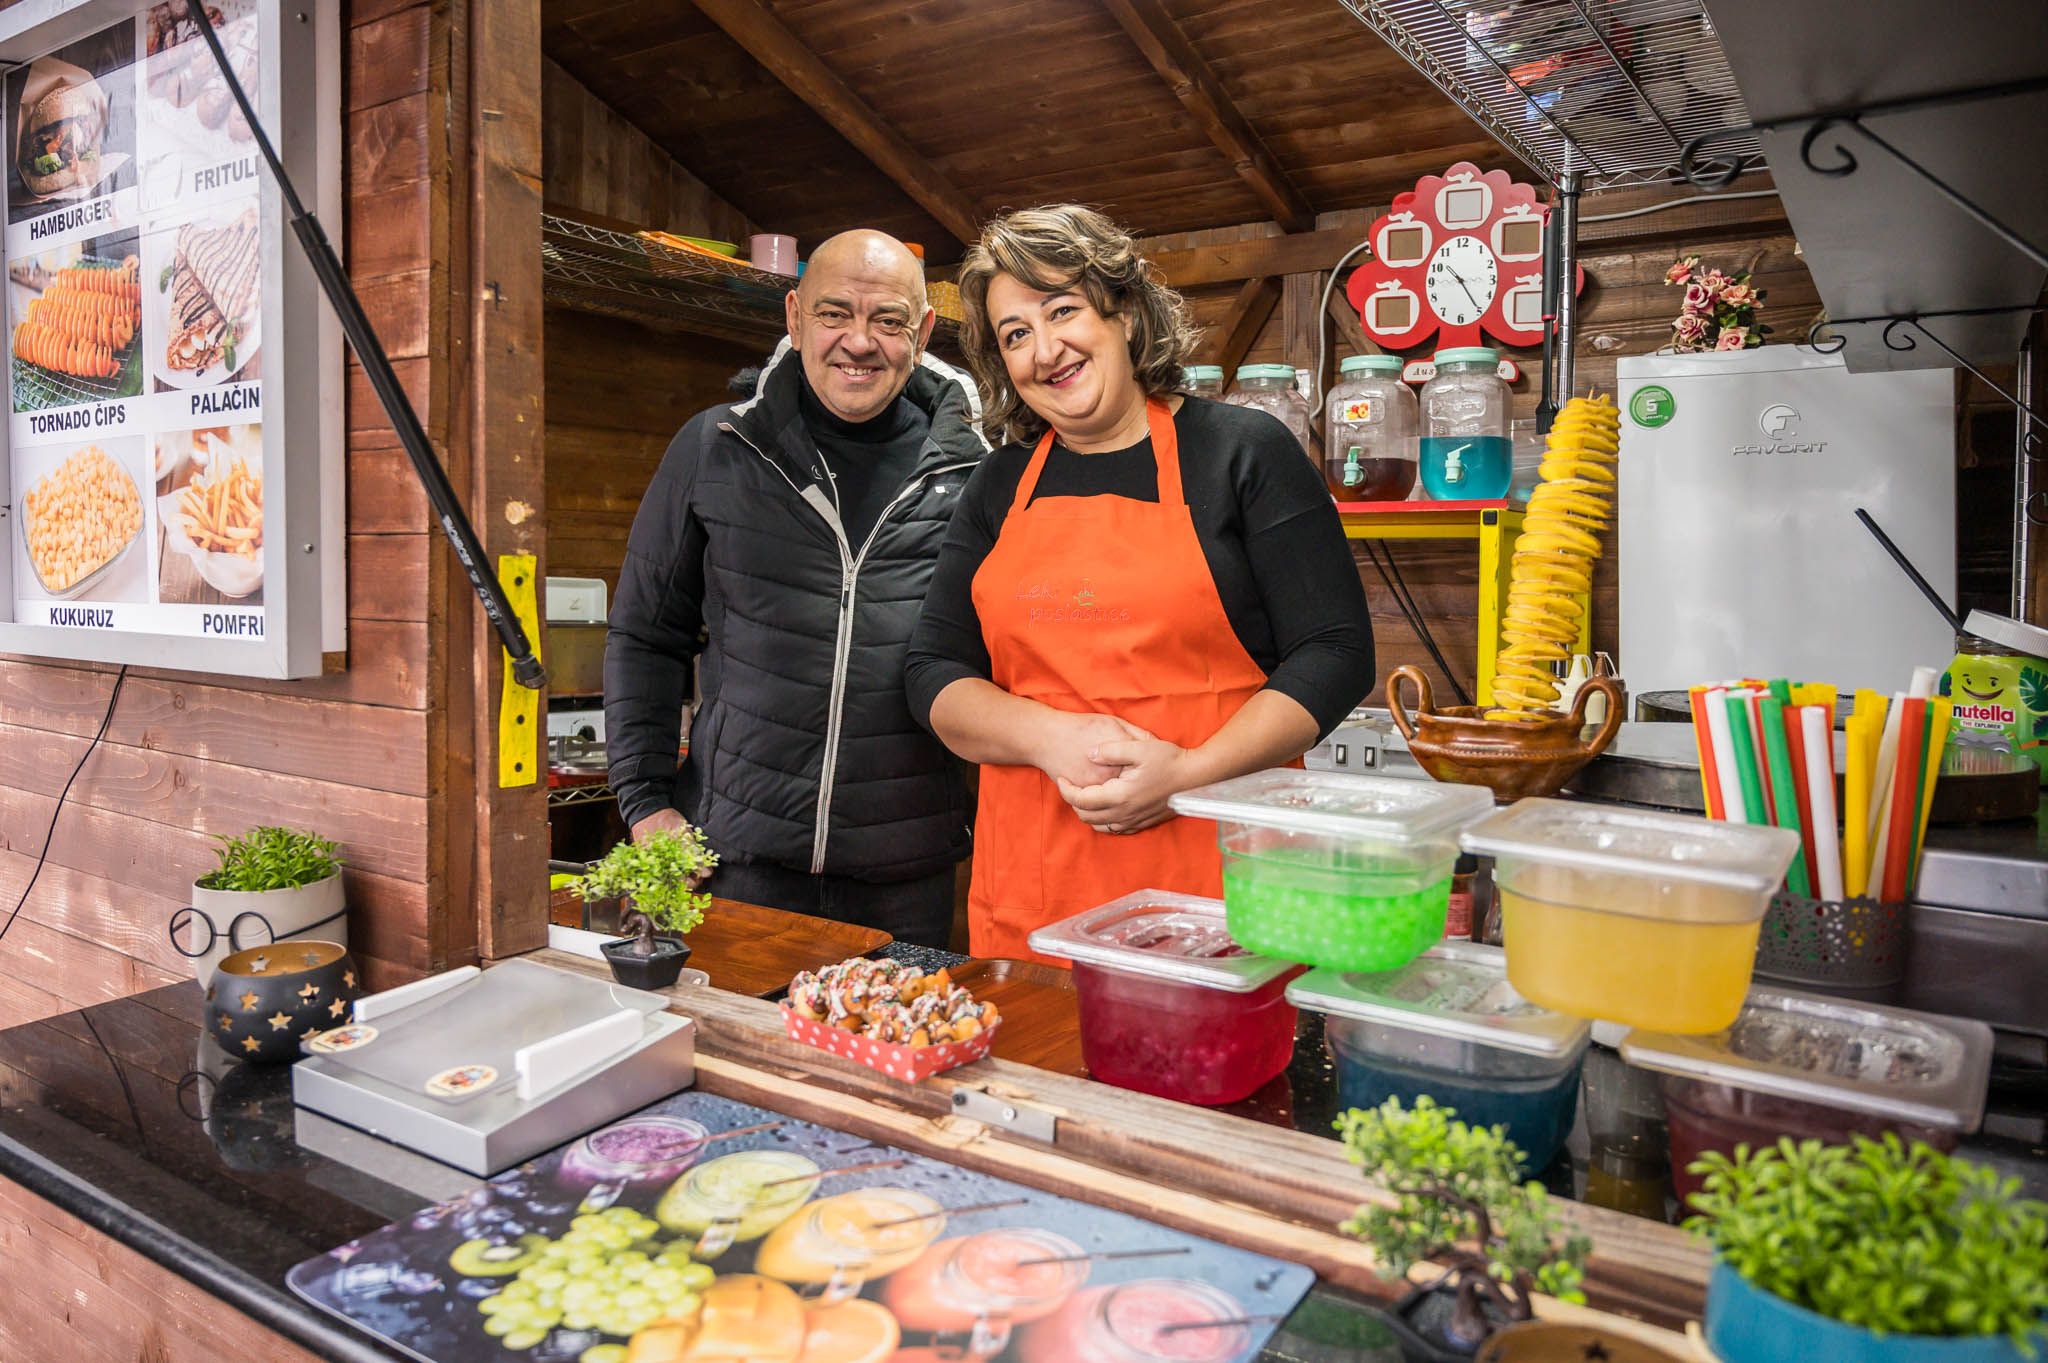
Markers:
point(1055, 247)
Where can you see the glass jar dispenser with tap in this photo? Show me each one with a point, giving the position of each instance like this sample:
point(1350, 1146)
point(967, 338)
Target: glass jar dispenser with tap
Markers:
point(1370, 431)
point(1466, 452)
point(1270, 388)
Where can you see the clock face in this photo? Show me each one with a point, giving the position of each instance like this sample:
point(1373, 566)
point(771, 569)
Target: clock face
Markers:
point(1461, 281)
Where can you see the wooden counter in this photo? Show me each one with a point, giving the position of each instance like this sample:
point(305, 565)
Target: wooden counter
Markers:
point(1268, 1189)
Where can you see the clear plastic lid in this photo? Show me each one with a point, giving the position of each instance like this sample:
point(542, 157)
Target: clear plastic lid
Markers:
point(1179, 937)
point(1198, 373)
point(1918, 1068)
point(1468, 354)
point(1458, 990)
point(1608, 838)
point(1265, 371)
point(1375, 809)
point(1370, 364)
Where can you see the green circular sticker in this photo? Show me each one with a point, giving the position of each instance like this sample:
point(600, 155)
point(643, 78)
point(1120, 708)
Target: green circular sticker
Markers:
point(1652, 405)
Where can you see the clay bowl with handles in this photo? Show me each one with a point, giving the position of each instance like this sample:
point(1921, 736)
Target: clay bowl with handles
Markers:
point(1513, 758)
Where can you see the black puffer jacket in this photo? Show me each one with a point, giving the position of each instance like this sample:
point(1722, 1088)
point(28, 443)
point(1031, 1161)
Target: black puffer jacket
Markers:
point(803, 753)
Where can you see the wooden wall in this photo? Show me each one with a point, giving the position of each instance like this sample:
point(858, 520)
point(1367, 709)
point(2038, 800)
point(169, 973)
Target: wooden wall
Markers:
point(596, 163)
point(1626, 310)
point(349, 755)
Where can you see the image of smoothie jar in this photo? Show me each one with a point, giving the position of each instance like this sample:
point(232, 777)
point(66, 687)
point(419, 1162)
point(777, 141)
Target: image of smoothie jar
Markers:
point(638, 1150)
point(737, 1197)
point(839, 1243)
point(1151, 1320)
point(986, 1285)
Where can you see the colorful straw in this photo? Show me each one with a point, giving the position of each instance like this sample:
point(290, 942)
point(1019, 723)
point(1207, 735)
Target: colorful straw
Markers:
point(1856, 802)
point(1745, 759)
point(1816, 723)
point(1779, 754)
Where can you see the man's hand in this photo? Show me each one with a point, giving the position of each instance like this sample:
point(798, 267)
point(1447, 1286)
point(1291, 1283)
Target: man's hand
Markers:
point(662, 819)
point(1148, 771)
point(1069, 750)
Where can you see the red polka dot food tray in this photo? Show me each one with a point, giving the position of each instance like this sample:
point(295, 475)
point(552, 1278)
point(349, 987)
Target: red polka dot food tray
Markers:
point(899, 1061)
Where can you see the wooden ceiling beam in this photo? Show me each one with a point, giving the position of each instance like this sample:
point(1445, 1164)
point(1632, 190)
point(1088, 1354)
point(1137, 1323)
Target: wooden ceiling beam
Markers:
point(1247, 317)
point(1229, 261)
point(1201, 94)
point(750, 24)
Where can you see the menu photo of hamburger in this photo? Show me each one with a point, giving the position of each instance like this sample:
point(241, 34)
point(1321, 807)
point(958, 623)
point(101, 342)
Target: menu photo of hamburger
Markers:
point(73, 124)
point(81, 513)
point(77, 312)
point(209, 508)
point(204, 280)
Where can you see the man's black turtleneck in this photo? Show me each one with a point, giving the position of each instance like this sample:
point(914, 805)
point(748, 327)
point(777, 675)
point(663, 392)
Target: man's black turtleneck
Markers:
point(869, 461)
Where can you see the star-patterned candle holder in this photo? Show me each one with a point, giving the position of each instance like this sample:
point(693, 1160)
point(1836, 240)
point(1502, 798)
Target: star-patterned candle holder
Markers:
point(264, 1001)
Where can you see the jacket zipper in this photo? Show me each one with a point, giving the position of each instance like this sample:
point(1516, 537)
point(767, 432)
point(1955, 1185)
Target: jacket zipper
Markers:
point(842, 648)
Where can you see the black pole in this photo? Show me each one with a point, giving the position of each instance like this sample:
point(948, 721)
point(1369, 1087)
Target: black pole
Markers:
point(1899, 557)
point(362, 338)
point(1546, 406)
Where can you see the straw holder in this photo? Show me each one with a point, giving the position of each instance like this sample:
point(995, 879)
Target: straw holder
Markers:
point(1834, 944)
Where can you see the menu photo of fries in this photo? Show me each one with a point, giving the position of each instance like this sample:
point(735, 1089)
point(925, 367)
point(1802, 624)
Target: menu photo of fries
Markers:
point(210, 508)
point(80, 517)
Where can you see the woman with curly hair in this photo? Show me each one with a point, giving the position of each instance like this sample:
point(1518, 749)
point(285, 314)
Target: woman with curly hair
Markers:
point(1142, 592)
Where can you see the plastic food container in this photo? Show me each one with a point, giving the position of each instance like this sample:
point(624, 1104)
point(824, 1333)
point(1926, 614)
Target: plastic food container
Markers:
point(1633, 916)
point(1809, 1067)
point(1450, 1025)
point(1347, 872)
point(1171, 1005)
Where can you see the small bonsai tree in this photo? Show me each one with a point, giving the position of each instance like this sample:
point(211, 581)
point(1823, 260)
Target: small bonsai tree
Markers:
point(267, 858)
point(660, 872)
point(1459, 1202)
point(1891, 1239)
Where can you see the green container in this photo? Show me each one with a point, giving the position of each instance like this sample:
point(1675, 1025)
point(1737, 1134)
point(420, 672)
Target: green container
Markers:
point(1346, 872)
point(1999, 683)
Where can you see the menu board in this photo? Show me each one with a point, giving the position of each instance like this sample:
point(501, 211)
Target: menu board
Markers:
point(702, 1228)
point(135, 386)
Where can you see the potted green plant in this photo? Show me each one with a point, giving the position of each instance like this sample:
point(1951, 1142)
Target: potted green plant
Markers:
point(1875, 1252)
point(658, 875)
point(271, 885)
point(1458, 1200)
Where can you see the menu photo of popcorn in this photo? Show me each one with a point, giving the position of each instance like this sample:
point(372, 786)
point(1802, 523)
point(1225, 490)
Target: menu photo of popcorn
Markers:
point(209, 499)
point(81, 515)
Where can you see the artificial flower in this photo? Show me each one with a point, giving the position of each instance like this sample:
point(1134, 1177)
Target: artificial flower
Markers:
point(1732, 338)
point(1680, 270)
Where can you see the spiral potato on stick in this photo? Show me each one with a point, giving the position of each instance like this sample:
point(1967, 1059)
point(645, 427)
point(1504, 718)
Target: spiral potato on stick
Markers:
point(1552, 567)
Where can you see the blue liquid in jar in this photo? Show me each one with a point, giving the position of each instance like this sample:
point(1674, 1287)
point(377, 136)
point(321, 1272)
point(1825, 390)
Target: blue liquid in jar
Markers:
point(1537, 1112)
point(1486, 467)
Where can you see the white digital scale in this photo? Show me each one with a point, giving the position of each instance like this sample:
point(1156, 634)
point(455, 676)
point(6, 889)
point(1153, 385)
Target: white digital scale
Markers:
point(483, 1069)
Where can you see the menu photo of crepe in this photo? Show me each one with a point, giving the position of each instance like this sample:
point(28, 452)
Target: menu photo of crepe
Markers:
point(71, 124)
point(76, 310)
point(203, 298)
point(192, 119)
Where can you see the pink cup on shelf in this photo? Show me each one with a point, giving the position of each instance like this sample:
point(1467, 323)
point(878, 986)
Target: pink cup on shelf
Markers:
point(776, 254)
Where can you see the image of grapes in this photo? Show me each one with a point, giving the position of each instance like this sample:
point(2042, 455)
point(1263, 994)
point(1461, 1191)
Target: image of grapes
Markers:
point(703, 1228)
point(77, 313)
point(71, 124)
point(209, 515)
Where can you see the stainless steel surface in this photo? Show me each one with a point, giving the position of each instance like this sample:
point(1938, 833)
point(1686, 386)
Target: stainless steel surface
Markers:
point(1997, 868)
point(1611, 90)
point(1882, 241)
point(1987, 966)
point(381, 1087)
point(1567, 291)
point(575, 657)
point(2026, 537)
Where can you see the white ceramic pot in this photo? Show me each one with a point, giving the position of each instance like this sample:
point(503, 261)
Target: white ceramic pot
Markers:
point(220, 921)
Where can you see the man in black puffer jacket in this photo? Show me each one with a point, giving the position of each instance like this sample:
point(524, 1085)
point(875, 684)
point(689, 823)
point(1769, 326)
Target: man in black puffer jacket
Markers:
point(788, 540)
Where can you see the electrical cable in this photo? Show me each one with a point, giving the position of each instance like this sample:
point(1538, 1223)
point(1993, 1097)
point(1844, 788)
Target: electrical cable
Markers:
point(1315, 380)
point(1670, 204)
point(50, 834)
point(1413, 615)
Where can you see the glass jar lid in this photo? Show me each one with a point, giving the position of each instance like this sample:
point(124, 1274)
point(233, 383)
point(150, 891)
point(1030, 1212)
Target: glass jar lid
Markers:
point(1468, 354)
point(1265, 371)
point(1371, 364)
point(2022, 638)
point(1178, 937)
point(1917, 1068)
point(1456, 990)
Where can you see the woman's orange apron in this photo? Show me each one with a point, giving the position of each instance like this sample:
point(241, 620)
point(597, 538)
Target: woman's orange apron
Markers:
point(1098, 605)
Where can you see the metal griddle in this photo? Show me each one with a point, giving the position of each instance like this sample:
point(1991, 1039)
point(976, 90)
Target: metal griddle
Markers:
point(570, 1053)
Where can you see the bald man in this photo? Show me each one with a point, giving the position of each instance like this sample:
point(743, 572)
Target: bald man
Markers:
point(785, 544)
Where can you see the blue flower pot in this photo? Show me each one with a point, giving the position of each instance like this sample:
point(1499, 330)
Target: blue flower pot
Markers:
point(1746, 1324)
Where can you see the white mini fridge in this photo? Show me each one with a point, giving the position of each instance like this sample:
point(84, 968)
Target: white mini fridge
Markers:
point(1740, 552)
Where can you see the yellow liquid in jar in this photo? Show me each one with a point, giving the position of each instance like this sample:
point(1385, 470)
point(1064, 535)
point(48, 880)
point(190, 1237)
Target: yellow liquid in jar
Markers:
point(1666, 976)
point(852, 1231)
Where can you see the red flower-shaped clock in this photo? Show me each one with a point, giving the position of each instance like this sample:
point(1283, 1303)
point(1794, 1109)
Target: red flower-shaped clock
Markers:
point(1462, 252)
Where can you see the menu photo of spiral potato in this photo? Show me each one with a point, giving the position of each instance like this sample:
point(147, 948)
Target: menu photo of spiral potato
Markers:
point(210, 513)
point(77, 312)
point(79, 518)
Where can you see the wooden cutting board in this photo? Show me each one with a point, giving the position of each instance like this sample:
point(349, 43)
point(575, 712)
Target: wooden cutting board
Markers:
point(1041, 1020)
point(750, 949)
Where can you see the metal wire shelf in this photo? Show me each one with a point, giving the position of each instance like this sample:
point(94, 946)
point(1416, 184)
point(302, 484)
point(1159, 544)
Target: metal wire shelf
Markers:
point(1610, 89)
point(617, 274)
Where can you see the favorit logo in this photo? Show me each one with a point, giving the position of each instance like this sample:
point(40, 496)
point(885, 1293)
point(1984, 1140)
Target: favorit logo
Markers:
point(1780, 425)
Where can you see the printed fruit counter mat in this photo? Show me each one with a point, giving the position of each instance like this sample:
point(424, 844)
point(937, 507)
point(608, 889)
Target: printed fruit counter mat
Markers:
point(701, 1230)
